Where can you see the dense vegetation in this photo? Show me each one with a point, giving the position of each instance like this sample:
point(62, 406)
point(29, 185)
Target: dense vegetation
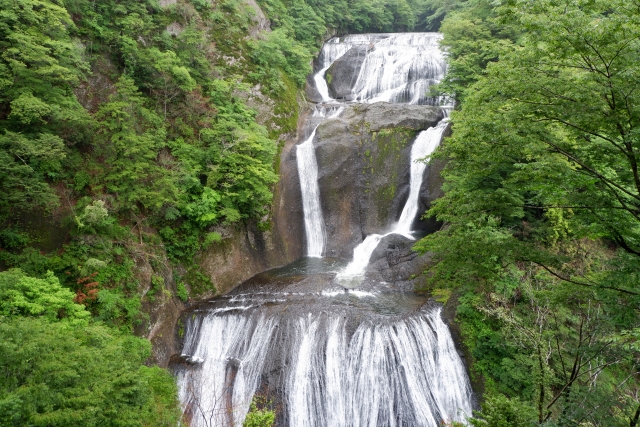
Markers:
point(60, 368)
point(541, 238)
point(134, 126)
point(129, 132)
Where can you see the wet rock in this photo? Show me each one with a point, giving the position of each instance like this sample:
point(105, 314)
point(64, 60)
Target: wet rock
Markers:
point(363, 170)
point(395, 262)
point(343, 73)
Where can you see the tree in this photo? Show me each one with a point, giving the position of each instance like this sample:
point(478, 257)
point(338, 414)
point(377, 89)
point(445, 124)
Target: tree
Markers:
point(30, 296)
point(542, 202)
point(548, 141)
point(132, 137)
point(39, 66)
point(54, 374)
point(59, 369)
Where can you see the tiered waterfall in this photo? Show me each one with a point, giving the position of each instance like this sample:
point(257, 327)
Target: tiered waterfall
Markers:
point(305, 338)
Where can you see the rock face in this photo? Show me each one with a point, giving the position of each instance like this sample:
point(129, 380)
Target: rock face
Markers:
point(343, 74)
point(394, 262)
point(363, 163)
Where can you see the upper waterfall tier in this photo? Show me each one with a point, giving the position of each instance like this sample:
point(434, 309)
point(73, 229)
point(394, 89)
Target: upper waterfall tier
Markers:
point(397, 68)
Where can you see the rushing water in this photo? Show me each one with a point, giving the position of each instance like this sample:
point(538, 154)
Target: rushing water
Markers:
point(397, 68)
point(340, 370)
point(308, 174)
point(424, 145)
point(329, 352)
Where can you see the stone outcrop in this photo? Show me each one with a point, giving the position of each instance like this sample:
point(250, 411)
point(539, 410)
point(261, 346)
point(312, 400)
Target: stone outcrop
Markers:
point(363, 162)
point(343, 74)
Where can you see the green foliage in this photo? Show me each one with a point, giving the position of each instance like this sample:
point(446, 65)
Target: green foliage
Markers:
point(39, 65)
point(57, 368)
point(133, 135)
point(182, 292)
point(29, 296)
point(540, 205)
point(500, 411)
point(473, 38)
point(54, 374)
point(262, 417)
point(198, 282)
point(279, 51)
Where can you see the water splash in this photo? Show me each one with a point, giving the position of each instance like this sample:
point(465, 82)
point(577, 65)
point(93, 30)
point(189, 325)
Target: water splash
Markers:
point(392, 372)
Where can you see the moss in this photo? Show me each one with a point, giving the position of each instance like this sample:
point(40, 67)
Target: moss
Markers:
point(389, 144)
point(441, 295)
point(285, 117)
point(198, 281)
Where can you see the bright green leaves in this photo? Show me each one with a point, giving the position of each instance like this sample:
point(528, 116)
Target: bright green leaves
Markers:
point(27, 109)
point(499, 411)
point(473, 38)
point(28, 296)
point(206, 209)
point(541, 205)
point(39, 64)
point(544, 141)
point(133, 136)
point(280, 51)
point(55, 375)
point(229, 174)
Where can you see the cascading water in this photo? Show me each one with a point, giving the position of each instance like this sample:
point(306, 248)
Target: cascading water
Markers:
point(308, 174)
point(424, 145)
point(328, 356)
point(339, 371)
point(397, 68)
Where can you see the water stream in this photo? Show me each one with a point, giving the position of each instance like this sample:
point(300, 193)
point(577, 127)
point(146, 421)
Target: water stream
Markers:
point(308, 174)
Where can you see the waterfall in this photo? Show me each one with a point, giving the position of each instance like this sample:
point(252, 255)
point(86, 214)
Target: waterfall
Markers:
point(327, 356)
point(397, 68)
point(424, 145)
point(387, 372)
point(331, 52)
point(308, 174)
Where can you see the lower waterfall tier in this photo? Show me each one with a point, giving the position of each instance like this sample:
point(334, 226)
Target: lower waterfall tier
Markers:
point(325, 356)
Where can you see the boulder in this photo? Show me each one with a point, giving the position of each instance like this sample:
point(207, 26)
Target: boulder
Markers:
point(343, 74)
point(363, 169)
point(395, 262)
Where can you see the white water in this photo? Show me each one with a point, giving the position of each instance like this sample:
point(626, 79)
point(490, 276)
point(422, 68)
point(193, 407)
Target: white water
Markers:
point(327, 368)
point(308, 175)
point(224, 342)
point(397, 68)
point(403, 372)
point(331, 52)
point(424, 145)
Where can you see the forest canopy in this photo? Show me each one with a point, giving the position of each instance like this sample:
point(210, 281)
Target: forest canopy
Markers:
point(541, 206)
